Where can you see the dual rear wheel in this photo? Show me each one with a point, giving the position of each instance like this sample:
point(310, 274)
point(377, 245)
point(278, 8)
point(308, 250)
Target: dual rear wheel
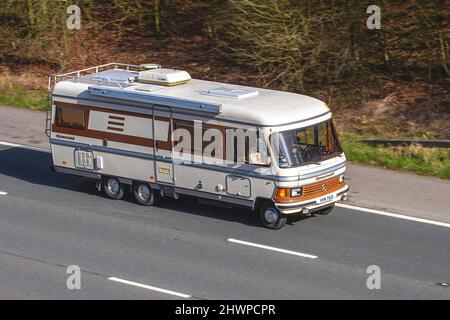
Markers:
point(143, 193)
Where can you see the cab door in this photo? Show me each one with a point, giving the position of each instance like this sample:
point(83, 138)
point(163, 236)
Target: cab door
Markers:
point(162, 144)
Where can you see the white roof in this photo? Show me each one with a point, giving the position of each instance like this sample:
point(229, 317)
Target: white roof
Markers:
point(239, 103)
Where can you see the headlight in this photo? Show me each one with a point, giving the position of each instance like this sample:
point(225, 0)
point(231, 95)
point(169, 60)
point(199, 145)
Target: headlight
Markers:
point(296, 192)
point(341, 178)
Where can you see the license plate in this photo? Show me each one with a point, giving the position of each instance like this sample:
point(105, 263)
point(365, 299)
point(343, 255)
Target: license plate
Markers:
point(326, 199)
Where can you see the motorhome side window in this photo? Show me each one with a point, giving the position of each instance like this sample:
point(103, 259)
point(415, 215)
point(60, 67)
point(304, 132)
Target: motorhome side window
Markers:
point(69, 117)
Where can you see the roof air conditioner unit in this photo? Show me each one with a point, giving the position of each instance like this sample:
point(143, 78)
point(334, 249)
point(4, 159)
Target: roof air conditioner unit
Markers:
point(165, 77)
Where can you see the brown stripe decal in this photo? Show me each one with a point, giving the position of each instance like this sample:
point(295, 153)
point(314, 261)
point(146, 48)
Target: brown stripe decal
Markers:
point(118, 137)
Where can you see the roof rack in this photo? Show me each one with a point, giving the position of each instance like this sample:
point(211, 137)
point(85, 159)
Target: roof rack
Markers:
point(53, 79)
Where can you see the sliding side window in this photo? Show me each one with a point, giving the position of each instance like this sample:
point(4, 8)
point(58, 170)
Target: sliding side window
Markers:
point(70, 117)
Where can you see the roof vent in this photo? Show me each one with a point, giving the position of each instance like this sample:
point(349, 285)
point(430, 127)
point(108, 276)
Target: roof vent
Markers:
point(165, 77)
point(231, 92)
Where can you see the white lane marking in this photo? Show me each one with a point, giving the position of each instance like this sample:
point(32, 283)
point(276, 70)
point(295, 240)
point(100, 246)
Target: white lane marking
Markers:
point(295, 253)
point(393, 215)
point(131, 283)
point(15, 145)
point(2, 193)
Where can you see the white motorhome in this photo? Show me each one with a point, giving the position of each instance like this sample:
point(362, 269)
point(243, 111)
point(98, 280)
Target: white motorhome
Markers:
point(161, 133)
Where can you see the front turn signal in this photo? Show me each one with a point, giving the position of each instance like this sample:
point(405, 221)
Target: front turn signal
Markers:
point(282, 193)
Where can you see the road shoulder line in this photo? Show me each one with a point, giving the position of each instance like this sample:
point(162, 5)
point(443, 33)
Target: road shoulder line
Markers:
point(393, 215)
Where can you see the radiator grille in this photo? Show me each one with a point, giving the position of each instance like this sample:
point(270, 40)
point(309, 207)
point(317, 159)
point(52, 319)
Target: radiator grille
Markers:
point(321, 187)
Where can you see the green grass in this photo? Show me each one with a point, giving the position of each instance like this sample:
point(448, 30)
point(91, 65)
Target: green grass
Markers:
point(423, 161)
point(18, 96)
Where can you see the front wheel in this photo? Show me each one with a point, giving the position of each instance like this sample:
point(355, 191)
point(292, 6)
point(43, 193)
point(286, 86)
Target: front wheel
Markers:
point(270, 217)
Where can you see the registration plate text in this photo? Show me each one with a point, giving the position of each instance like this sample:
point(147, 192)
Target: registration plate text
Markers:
point(326, 199)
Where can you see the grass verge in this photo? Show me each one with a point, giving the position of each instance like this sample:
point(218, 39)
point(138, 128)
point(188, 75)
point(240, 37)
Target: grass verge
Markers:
point(423, 161)
point(18, 96)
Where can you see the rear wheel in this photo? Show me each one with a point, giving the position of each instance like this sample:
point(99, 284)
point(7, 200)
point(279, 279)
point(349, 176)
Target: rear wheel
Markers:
point(144, 194)
point(113, 188)
point(270, 216)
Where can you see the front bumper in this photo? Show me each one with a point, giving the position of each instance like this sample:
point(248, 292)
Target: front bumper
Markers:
point(313, 204)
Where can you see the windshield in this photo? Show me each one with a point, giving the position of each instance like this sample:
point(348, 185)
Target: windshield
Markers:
point(308, 145)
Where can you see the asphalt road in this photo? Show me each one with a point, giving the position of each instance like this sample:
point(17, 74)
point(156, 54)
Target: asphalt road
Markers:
point(49, 221)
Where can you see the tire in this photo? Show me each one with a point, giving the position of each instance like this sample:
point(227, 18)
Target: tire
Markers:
point(270, 216)
point(144, 194)
point(113, 188)
point(325, 211)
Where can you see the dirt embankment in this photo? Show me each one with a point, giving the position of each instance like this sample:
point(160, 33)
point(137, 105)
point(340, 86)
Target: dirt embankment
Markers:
point(416, 110)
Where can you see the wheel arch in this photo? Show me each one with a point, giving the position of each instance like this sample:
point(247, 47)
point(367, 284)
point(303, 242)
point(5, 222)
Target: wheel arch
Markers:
point(259, 201)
